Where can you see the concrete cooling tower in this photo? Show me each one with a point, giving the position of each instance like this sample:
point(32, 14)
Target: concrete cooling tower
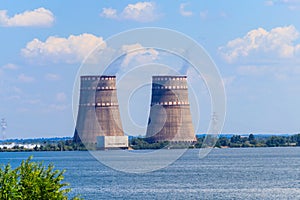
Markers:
point(98, 113)
point(170, 117)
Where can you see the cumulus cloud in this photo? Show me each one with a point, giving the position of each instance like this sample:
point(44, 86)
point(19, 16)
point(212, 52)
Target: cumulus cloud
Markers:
point(184, 12)
point(10, 66)
point(38, 17)
point(203, 14)
point(228, 80)
point(109, 13)
point(278, 42)
point(140, 11)
point(291, 4)
point(223, 14)
point(138, 53)
point(52, 77)
point(61, 97)
point(269, 3)
point(57, 107)
point(254, 70)
point(62, 50)
point(33, 101)
point(25, 79)
point(282, 72)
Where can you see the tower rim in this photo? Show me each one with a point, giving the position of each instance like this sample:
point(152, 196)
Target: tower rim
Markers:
point(98, 76)
point(169, 76)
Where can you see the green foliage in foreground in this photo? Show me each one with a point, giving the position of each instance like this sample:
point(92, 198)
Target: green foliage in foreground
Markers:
point(32, 181)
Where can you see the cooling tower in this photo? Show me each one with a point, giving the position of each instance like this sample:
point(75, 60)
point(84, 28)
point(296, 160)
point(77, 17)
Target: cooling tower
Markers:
point(98, 113)
point(170, 117)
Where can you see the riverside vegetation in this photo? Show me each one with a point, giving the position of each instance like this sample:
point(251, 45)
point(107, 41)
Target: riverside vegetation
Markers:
point(234, 141)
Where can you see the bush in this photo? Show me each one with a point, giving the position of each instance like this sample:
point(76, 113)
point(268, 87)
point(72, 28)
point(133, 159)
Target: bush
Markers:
point(32, 180)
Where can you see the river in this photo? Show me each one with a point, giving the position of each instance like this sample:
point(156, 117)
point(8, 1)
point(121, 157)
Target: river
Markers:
point(246, 173)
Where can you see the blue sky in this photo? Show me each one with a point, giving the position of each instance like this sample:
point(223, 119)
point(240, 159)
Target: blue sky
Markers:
point(255, 45)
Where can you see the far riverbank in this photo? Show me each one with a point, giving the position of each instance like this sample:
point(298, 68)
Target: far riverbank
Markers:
point(136, 143)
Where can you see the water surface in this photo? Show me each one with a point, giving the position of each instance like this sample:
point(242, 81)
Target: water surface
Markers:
point(249, 173)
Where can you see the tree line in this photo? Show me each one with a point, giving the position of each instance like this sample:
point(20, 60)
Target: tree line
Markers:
point(238, 141)
point(234, 141)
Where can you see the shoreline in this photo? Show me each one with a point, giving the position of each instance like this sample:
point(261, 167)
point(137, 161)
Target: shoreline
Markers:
point(131, 149)
point(137, 143)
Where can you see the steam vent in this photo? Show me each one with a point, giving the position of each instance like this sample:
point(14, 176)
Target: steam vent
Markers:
point(170, 117)
point(98, 113)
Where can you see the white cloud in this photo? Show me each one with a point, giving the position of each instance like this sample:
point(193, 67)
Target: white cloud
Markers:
point(223, 14)
point(281, 77)
point(109, 13)
point(269, 3)
point(139, 54)
point(291, 4)
point(52, 77)
point(61, 97)
point(140, 11)
point(203, 14)
point(253, 70)
point(62, 50)
point(184, 12)
point(33, 101)
point(57, 107)
point(228, 80)
point(39, 17)
point(278, 42)
point(10, 66)
point(14, 98)
point(281, 72)
point(25, 79)
point(16, 90)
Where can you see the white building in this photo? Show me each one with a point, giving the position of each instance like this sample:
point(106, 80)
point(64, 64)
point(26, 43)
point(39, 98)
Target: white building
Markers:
point(112, 142)
point(12, 145)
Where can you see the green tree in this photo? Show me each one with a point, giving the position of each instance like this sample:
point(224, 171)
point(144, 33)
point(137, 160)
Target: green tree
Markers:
point(32, 180)
point(276, 141)
point(223, 141)
point(236, 139)
point(8, 183)
point(295, 139)
point(199, 142)
point(251, 139)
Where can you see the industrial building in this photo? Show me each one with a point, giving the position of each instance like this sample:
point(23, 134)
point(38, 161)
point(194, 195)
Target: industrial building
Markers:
point(99, 124)
point(170, 117)
point(98, 113)
point(112, 142)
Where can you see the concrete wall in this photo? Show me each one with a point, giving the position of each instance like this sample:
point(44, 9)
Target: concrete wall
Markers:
point(106, 142)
